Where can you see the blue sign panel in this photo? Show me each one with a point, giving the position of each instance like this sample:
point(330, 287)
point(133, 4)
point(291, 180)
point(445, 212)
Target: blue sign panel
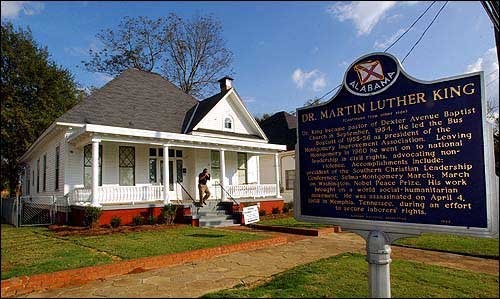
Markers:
point(390, 148)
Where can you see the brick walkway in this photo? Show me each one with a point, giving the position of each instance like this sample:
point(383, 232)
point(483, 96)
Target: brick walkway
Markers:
point(197, 278)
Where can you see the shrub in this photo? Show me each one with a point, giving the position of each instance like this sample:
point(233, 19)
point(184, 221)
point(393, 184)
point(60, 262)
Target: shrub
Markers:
point(138, 220)
point(152, 220)
point(275, 210)
point(262, 212)
point(287, 207)
point(115, 222)
point(91, 216)
point(168, 213)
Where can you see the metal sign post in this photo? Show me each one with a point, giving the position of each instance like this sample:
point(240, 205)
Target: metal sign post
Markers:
point(378, 256)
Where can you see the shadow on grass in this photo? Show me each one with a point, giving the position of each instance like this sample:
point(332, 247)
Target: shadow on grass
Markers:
point(205, 236)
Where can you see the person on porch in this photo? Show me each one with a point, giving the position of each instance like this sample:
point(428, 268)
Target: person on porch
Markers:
point(202, 186)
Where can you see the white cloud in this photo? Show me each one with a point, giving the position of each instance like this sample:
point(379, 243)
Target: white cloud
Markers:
point(12, 9)
point(319, 83)
point(385, 43)
point(364, 14)
point(318, 79)
point(300, 77)
point(488, 63)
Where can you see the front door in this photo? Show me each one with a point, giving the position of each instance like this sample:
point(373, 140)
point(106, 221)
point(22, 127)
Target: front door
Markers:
point(215, 189)
point(175, 177)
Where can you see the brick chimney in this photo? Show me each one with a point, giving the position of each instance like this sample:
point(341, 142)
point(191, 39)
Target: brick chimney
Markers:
point(226, 83)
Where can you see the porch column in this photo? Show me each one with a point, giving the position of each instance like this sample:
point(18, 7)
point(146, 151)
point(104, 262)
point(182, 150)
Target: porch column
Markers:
point(257, 157)
point(95, 173)
point(166, 182)
point(277, 174)
point(222, 174)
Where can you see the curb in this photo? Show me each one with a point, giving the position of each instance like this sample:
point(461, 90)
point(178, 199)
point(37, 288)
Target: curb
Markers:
point(298, 231)
point(46, 281)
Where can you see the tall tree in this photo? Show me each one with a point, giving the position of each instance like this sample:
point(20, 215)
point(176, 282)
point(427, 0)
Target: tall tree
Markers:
point(190, 53)
point(34, 92)
point(137, 42)
point(197, 55)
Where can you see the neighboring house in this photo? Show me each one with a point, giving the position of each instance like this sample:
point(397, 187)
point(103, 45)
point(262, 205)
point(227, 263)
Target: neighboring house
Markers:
point(281, 128)
point(123, 144)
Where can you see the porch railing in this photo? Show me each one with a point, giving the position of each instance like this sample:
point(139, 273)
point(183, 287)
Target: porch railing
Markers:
point(136, 194)
point(252, 190)
point(80, 195)
point(132, 194)
point(119, 194)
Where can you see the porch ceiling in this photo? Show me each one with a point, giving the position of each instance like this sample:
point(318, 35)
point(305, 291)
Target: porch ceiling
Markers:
point(90, 132)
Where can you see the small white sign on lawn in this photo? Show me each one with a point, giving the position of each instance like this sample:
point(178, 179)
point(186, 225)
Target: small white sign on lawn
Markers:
point(251, 214)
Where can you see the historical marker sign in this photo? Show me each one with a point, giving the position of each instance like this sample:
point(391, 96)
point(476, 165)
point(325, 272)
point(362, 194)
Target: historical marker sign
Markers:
point(397, 154)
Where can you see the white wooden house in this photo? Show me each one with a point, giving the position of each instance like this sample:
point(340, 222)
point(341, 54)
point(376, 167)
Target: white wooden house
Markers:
point(140, 139)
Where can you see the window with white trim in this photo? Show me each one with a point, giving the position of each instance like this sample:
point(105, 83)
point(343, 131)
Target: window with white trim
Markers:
point(228, 123)
point(289, 179)
point(242, 168)
point(56, 170)
point(44, 172)
point(127, 165)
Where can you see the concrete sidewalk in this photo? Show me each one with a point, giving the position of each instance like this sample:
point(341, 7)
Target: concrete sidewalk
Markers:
point(213, 274)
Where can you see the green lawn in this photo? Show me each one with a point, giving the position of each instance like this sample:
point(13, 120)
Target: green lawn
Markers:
point(482, 247)
point(291, 222)
point(345, 276)
point(27, 251)
point(141, 244)
point(33, 250)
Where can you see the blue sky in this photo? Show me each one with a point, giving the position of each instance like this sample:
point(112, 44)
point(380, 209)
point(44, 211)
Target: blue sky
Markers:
point(284, 52)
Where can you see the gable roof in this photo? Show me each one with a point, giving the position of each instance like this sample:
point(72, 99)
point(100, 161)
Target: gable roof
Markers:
point(281, 128)
point(135, 99)
point(197, 113)
point(204, 107)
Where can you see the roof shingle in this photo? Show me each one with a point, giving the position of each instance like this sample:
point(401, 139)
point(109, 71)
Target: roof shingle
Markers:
point(135, 99)
point(280, 128)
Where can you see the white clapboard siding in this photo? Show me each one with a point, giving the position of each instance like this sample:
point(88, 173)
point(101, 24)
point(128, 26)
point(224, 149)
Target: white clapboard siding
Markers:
point(48, 148)
point(225, 108)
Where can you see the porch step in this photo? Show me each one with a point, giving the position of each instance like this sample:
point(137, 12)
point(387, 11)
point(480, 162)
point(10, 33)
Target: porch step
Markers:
point(216, 214)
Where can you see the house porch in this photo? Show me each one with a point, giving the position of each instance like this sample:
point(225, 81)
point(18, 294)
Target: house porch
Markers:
point(110, 171)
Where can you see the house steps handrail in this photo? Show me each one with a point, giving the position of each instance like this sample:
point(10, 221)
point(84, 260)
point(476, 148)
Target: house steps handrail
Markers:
point(230, 196)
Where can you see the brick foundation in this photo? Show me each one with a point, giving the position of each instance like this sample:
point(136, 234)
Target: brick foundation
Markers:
point(266, 206)
point(41, 282)
point(127, 215)
point(299, 231)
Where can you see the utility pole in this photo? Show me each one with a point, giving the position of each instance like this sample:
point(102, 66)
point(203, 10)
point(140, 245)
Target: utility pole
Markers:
point(493, 9)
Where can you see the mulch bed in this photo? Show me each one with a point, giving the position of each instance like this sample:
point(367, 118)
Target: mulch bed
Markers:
point(66, 230)
point(277, 216)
